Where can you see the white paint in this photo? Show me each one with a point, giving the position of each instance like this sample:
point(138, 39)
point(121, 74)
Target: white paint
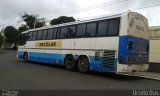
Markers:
point(154, 51)
point(132, 67)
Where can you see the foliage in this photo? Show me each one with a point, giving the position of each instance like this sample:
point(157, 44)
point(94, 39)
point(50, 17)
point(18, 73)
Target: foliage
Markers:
point(33, 21)
point(40, 22)
point(1, 39)
point(62, 19)
point(23, 28)
point(11, 35)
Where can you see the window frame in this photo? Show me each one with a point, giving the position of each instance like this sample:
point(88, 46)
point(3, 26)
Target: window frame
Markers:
point(84, 32)
point(37, 35)
point(52, 34)
point(106, 35)
point(75, 31)
point(58, 32)
point(30, 39)
point(95, 30)
point(46, 34)
point(61, 32)
point(118, 27)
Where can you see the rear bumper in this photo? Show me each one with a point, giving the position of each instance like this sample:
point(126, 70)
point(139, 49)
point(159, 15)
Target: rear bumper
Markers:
point(131, 68)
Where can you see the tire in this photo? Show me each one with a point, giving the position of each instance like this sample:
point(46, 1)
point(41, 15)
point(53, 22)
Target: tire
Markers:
point(69, 63)
point(25, 57)
point(83, 64)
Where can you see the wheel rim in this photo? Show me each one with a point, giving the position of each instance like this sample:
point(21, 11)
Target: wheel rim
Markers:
point(84, 65)
point(70, 63)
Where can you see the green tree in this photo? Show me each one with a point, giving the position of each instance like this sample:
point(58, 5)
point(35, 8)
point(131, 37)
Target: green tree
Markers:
point(62, 19)
point(40, 22)
point(11, 35)
point(1, 39)
point(23, 28)
point(33, 21)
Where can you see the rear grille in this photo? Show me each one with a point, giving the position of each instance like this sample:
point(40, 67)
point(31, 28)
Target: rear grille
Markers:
point(108, 59)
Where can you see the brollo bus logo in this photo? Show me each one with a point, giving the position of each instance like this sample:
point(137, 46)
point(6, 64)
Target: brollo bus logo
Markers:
point(49, 44)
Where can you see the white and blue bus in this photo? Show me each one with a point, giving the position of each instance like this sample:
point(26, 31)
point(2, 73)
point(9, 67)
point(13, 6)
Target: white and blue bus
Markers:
point(117, 43)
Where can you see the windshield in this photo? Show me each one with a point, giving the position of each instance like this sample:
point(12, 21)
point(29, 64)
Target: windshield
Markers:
point(23, 38)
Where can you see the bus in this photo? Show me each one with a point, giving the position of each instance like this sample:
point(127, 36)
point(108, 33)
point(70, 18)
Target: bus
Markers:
point(117, 43)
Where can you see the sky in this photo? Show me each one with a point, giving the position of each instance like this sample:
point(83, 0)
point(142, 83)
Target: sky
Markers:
point(12, 10)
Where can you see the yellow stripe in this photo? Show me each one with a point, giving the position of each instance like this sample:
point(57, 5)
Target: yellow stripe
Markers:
point(49, 44)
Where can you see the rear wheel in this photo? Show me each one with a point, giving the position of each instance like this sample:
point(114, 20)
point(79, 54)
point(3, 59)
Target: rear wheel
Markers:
point(25, 57)
point(69, 63)
point(83, 64)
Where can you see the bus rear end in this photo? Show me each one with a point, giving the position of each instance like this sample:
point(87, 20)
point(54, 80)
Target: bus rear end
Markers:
point(133, 52)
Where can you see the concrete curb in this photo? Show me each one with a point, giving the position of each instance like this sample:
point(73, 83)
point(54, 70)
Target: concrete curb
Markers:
point(142, 76)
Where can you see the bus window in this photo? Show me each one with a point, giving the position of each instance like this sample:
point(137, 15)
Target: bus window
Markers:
point(30, 35)
point(34, 35)
point(102, 28)
point(81, 30)
point(91, 29)
point(58, 33)
point(50, 34)
point(44, 34)
point(39, 35)
point(23, 38)
point(55, 31)
point(63, 32)
point(113, 27)
point(26, 37)
point(71, 31)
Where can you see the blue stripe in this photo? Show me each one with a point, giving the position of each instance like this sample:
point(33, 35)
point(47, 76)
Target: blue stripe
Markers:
point(48, 58)
point(124, 52)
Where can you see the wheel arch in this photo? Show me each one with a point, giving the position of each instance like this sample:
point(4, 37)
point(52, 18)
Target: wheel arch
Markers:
point(25, 52)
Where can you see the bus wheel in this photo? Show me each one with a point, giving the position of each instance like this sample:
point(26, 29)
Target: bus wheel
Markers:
point(25, 57)
point(83, 64)
point(69, 62)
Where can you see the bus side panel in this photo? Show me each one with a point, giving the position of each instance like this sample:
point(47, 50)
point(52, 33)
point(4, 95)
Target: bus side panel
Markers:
point(108, 44)
point(85, 43)
point(50, 58)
